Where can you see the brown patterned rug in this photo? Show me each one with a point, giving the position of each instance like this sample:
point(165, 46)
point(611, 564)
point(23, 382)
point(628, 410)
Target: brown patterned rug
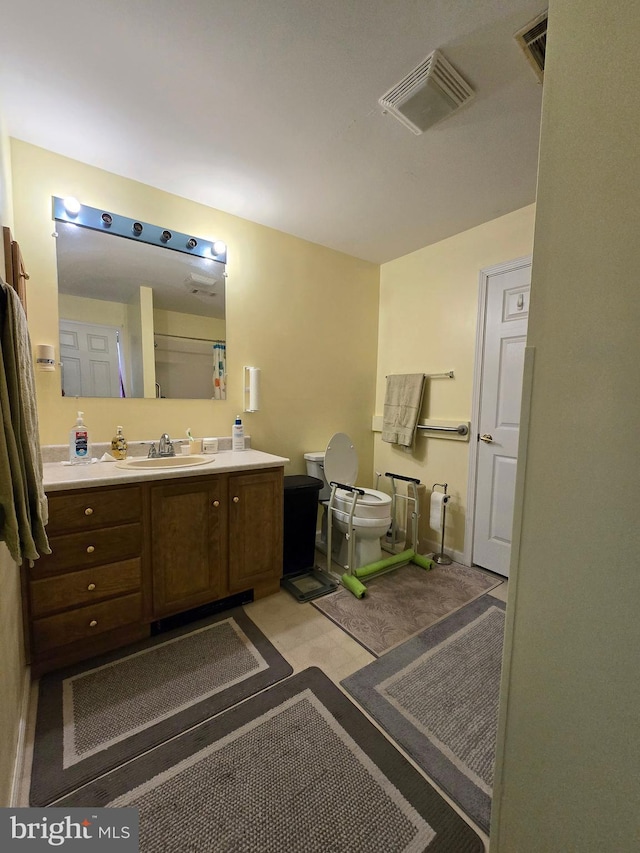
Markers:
point(296, 769)
point(402, 603)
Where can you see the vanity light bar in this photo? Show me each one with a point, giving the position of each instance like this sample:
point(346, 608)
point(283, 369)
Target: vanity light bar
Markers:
point(132, 229)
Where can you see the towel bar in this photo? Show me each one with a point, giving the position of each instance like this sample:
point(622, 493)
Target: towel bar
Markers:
point(448, 375)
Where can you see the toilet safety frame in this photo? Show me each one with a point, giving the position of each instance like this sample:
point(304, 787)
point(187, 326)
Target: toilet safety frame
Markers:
point(350, 534)
point(352, 579)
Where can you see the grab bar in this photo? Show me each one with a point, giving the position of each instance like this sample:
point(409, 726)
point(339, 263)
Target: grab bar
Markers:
point(401, 477)
point(346, 487)
point(461, 429)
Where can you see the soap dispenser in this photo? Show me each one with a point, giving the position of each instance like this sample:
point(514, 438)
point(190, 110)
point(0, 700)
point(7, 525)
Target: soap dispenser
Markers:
point(79, 444)
point(237, 435)
point(119, 445)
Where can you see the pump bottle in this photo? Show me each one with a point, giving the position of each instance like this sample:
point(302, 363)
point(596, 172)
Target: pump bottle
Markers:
point(119, 445)
point(237, 435)
point(79, 444)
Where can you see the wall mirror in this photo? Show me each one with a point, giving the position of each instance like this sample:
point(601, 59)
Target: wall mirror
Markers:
point(138, 319)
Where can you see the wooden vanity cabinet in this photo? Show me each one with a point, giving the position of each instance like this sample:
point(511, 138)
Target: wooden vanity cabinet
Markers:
point(215, 536)
point(124, 556)
point(188, 543)
point(87, 596)
point(255, 531)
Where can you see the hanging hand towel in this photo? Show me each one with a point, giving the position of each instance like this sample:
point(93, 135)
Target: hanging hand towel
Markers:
point(23, 503)
point(402, 404)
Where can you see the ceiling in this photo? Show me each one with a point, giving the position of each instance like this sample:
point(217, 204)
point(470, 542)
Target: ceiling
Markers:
point(268, 109)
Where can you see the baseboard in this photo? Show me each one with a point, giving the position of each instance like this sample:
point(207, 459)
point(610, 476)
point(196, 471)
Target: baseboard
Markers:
point(19, 762)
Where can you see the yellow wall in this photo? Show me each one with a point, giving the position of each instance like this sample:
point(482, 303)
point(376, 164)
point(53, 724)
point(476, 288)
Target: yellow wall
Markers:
point(428, 315)
point(567, 766)
point(12, 667)
point(189, 325)
point(82, 309)
point(288, 304)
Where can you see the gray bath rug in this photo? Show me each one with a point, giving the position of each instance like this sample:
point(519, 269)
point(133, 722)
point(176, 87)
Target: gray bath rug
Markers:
point(404, 602)
point(95, 715)
point(437, 696)
point(295, 769)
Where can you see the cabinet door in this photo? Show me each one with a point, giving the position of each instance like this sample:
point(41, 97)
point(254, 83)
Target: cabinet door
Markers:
point(188, 544)
point(255, 531)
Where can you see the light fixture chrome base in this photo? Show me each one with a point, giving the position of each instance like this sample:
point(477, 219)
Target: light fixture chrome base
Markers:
point(442, 559)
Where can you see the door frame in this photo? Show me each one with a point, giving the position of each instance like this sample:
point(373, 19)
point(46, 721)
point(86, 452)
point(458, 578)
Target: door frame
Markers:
point(476, 399)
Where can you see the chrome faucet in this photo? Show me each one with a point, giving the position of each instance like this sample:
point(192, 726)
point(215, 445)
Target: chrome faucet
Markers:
point(165, 447)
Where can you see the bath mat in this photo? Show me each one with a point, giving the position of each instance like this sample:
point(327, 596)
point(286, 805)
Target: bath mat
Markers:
point(296, 768)
point(437, 696)
point(404, 602)
point(98, 714)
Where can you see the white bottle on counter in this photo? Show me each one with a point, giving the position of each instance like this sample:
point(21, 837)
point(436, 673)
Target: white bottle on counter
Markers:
point(79, 444)
point(237, 435)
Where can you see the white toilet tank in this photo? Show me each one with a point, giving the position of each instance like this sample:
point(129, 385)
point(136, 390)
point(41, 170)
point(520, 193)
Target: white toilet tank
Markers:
point(315, 468)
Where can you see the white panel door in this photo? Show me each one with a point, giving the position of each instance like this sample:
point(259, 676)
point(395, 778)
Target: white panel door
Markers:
point(89, 356)
point(505, 337)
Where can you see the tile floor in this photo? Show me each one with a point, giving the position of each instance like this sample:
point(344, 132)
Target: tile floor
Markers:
point(305, 637)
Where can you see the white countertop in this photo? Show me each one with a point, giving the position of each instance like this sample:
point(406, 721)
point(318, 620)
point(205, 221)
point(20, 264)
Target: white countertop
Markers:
point(58, 476)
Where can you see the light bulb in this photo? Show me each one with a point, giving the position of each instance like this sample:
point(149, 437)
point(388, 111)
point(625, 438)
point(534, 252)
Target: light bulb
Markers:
point(219, 247)
point(72, 206)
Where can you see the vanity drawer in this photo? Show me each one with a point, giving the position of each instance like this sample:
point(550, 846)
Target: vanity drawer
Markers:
point(84, 510)
point(90, 548)
point(84, 622)
point(76, 589)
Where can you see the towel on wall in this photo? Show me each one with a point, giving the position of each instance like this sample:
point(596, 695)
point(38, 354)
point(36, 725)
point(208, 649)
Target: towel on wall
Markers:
point(402, 403)
point(23, 503)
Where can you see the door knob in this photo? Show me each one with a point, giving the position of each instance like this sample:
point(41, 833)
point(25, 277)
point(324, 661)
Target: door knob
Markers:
point(486, 438)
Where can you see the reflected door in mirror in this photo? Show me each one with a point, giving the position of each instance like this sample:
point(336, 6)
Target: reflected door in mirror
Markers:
point(90, 363)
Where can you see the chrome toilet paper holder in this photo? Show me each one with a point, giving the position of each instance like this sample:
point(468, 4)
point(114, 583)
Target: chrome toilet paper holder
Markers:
point(441, 558)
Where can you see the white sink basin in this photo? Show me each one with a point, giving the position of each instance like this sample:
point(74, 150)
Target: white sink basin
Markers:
point(164, 461)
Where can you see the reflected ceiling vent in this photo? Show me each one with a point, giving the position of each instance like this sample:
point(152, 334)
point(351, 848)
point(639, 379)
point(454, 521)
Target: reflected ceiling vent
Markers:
point(200, 285)
point(429, 93)
point(533, 41)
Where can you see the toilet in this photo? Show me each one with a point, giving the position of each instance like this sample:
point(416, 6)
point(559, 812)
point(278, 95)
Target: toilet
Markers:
point(372, 516)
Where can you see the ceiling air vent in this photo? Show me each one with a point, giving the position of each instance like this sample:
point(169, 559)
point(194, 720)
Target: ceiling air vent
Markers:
point(533, 41)
point(429, 93)
point(200, 285)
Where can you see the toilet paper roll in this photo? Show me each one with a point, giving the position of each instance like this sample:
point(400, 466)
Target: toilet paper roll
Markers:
point(254, 389)
point(438, 501)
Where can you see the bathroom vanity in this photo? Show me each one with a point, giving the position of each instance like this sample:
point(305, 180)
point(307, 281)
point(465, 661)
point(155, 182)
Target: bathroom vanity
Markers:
point(130, 547)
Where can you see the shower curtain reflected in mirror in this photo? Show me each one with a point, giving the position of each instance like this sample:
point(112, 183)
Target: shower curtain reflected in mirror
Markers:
point(219, 370)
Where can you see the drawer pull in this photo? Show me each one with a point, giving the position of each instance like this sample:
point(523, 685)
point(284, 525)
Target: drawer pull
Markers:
point(216, 504)
point(93, 623)
point(91, 549)
point(91, 587)
point(236, 499)
point(88, 511)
